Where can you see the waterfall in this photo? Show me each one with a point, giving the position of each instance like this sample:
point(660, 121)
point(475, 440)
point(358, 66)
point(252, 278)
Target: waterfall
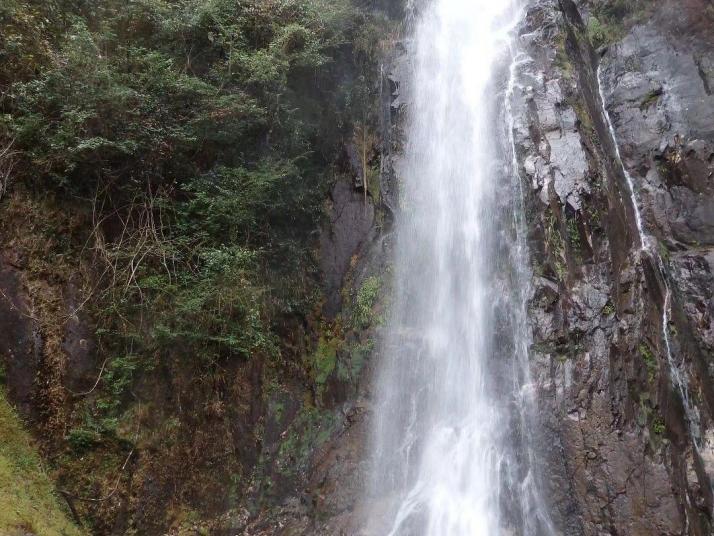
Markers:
point(451, 445)
point(648, 247)
point(645, 242)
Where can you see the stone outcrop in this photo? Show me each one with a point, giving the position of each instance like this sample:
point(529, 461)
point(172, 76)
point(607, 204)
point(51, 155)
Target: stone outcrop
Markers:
point(623, 454)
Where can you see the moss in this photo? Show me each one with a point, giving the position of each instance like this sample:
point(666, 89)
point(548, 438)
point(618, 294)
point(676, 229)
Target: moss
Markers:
point(586, 122)
point(311, 428)
point(650, 99)
point(325, 359)
point(650, 361)
point(556, 246)
point(574, 239)
point(574, 233)
point(543, 347)
point(664, 252)
point(373, 184)
point(81, 440)
point(562, 61)
point(601, 33)
point(27, 500)
point(610, 18)
point(358, 356)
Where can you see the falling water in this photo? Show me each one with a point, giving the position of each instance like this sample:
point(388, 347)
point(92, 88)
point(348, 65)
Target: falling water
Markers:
point(451, 445)
point(645, 242)
point(647, 246)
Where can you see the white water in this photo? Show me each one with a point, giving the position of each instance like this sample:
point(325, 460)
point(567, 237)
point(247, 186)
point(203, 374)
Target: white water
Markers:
point(451, 447)
point(645, 242)
point(648, 246)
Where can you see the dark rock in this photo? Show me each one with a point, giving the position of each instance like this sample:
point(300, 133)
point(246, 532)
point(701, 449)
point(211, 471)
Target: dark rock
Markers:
point(20, 340)
point(350, 227)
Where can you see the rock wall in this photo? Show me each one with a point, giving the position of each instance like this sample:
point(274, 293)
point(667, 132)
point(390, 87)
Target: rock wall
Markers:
point(623, 370)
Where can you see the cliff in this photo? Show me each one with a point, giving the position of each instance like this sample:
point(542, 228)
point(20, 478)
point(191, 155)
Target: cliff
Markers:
point(615, 144)
point(154, 420)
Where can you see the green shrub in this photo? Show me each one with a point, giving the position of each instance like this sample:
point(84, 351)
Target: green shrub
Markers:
point(366, 299)
point(600, 33)
point(81, 440)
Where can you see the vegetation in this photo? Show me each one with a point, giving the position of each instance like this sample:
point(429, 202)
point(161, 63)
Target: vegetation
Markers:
point(191, 144)
point(201, 136)
point(555, 246)
point(28, 503)
point(608, 19)
point(366, 299)
point(650, 362)
point(651, 99)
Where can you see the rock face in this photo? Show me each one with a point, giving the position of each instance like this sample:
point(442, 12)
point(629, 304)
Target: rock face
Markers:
point(622, 333)
point(19, 339)
point(622, 349)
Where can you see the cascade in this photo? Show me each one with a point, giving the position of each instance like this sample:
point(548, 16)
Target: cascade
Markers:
point(648, 247)
point(451, 442)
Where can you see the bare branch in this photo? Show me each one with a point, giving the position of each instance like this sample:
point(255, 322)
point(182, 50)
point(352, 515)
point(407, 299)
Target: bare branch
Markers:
point(107, 497)
point(8, 161)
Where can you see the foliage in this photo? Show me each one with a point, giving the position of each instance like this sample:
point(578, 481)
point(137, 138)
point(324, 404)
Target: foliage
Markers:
point(658, 426)
point(81, 440)
point(201, 135)
point(311, 428)
point(609, 18)
point(366, 299)
point(600, 34)
point(325, 359)
point(650, 361)
point(194, 141)
point(650, 99)
point(555, 245)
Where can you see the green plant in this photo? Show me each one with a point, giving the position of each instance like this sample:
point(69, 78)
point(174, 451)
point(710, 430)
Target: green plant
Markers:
point(664, 251)
point(358, 356)
point(325, 360)
point(555, 246)
point(310, 429)
point(600, 33)
point(650, 361)
point(81, 440)
point(610, 17)
point(192, 145)
point(658, 426)
point(25, 489)
point(651, 99)
point(367, 297)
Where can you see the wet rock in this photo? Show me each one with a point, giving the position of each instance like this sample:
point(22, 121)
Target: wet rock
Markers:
point(349, 230)
point(20, 340)
point(602, 391)
point(663, 112)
